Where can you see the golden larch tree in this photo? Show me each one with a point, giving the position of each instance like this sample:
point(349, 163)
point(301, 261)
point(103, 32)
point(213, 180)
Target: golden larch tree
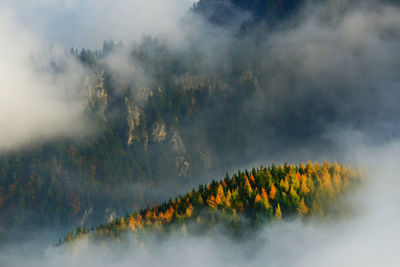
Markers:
point(302, 209)
point(272, 192)
point(285, 184)
point(122, 224)
point(252, 179)
point(228, 198)
point(247, 185)
point(211, 202)
point(303, 185)
point(264, 193)
point(278, 212)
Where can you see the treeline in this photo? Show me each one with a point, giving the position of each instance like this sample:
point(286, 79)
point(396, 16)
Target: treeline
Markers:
point(244, 201)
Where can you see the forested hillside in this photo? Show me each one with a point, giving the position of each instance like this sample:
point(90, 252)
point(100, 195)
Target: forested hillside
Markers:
point(188, 120)
point(164, 116)
point(241, 203)
point(199, 133)
point(147, 134)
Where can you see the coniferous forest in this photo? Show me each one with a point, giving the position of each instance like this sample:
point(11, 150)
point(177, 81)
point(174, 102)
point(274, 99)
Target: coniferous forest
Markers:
point(237, 132)
point(246, 200)
point(145, 132)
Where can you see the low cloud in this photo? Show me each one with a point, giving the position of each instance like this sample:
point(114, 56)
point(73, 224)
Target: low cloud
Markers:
point(38, 101)
point(86, 24)
point(364, 238)
point(329, 88)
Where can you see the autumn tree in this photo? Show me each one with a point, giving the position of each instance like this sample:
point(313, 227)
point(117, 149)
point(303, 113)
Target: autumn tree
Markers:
point(278, 212)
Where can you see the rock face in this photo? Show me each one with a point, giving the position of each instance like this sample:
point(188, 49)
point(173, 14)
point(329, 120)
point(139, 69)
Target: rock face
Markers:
point(137, 133)
point(206, 158)
point(180, 160)
point(98, 97)
point(176, 143)
point(159, 133)
point(135, 115)
point(182, 166)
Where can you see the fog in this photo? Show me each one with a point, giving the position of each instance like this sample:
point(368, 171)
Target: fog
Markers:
point(37, 104)
point(87, 23)
point(40, 103)
point(329, 90)
point(365, 237)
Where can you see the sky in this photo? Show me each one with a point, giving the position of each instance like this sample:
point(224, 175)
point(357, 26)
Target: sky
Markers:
point(87, 23)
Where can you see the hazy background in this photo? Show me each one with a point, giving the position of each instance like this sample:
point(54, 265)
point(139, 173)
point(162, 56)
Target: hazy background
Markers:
point(329, 88)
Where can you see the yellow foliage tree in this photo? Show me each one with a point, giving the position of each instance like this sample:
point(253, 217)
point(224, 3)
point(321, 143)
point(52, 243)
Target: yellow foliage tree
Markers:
point(285, 184)
point(298, 176)
point(257, 199)
point(122, 223)
point(293, 194)
point(303, 185)
point(228, 198)
point(139, 221)
point(200, 200)
point(131, 223)
point(220, 198)
point(302, 209)
point(212, 202)
point(272, 192)
point(169, 213)
point(278, 212)
point(264, 193)
point(310, 168)
point(262, 199)
point(148, 217)
point(302, 167)
point(247, 185)
point(189, 211)
point(252, 179)
point(337, 182)
point(266, 203)
point(327, 180)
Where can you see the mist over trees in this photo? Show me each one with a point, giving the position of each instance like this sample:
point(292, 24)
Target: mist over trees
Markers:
point(241, 204)
point(238, 83)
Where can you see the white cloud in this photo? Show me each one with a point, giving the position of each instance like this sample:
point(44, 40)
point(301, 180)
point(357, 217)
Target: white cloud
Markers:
point(34, 104)
point(87, 23)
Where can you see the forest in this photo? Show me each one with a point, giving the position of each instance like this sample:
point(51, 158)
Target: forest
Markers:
point(199, 133)
point(241, 203)
point(172, 119)
point(146, 132)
